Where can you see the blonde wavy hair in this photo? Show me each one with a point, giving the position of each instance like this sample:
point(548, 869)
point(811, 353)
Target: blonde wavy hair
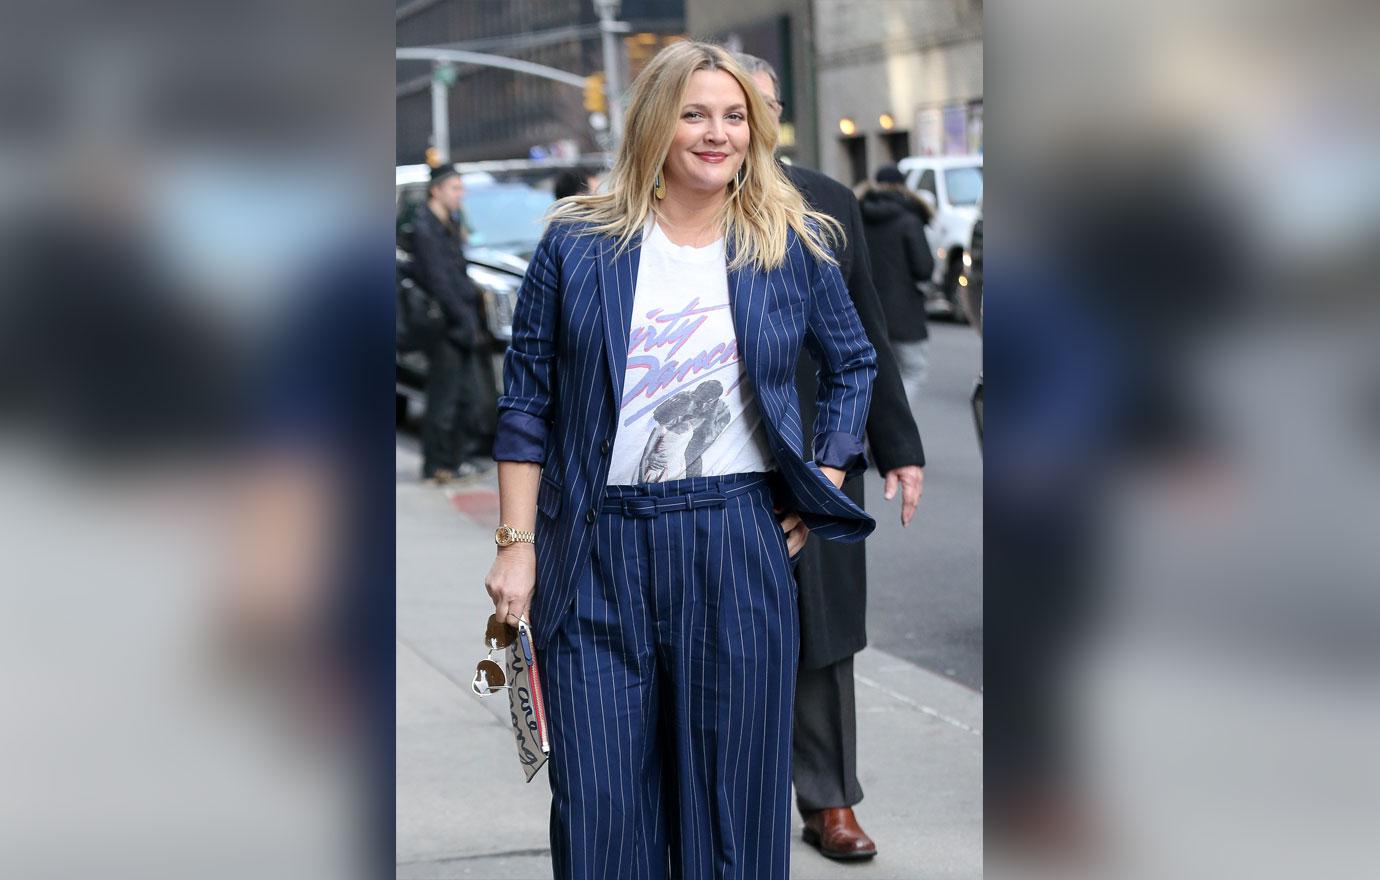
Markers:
point(758, 210)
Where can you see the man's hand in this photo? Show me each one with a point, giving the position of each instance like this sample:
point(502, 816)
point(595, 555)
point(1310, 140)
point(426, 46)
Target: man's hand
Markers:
point(912, 480)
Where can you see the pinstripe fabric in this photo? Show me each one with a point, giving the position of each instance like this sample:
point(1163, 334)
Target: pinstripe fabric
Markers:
point(563, 377)
point(670, 688)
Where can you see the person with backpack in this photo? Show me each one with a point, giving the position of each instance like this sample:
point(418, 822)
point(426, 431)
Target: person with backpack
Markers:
point(461, 391)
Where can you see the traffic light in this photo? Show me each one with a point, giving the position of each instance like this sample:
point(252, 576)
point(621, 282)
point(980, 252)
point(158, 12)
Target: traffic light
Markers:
point(594, 93)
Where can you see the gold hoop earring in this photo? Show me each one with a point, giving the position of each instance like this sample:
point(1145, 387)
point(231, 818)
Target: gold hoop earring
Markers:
point(659, 187)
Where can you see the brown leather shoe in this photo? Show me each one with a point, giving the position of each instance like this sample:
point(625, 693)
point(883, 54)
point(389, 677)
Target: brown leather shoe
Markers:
point(835, 832)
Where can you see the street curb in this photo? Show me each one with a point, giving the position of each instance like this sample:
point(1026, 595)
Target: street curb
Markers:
point(927, 692)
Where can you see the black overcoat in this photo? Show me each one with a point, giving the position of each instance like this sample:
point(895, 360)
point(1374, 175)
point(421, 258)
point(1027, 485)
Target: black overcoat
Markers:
point(442, 270)
point(833, 576)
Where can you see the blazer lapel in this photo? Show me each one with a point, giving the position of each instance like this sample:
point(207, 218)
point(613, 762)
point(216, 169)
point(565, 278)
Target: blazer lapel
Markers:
point(752, 294)
point(740, 294)
point(748, 292)
point(617, 284)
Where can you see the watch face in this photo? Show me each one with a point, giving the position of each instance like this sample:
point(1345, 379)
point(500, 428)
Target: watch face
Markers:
point(503, 536)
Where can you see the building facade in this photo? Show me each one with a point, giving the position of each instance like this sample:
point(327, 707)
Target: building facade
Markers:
point(498, 114)
point(903, 79)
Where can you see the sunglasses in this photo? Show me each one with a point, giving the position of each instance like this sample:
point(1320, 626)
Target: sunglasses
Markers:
point(488, 674)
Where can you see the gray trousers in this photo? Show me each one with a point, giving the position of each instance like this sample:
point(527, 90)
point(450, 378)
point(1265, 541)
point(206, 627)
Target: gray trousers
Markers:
point(824, 749)
point(913, 360)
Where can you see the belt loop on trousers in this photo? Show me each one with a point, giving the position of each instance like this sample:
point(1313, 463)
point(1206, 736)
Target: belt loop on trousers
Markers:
point(707, 499)
point(641, 506)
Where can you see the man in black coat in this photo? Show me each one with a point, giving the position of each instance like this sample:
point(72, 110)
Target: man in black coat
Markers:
point(461, 392)
point(833, 577)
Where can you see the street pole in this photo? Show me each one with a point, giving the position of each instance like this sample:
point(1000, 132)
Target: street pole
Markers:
point(613, 81)
point(441, 77)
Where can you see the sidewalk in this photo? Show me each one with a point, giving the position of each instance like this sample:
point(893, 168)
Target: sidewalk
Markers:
point(464, 811)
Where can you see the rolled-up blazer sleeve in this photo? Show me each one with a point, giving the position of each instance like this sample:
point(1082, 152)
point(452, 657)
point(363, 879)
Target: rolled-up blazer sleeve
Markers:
point(526, 406)
point(847, 366)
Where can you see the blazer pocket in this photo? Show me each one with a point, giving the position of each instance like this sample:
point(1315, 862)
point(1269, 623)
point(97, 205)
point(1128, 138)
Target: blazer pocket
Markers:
point(549, 497)
point(789, 301)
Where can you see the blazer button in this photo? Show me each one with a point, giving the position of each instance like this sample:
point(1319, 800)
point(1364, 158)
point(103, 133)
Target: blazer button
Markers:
point(605, 447)
point(590, 517)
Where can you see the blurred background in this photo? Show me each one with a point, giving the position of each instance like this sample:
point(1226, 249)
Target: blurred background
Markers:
point(196, 610)
point(1180, 590)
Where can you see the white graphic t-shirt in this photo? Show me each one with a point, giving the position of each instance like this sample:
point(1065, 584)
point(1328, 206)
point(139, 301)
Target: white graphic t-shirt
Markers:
point(687, 409)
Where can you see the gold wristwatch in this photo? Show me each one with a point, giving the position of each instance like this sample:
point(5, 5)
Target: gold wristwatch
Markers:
point(505, 536)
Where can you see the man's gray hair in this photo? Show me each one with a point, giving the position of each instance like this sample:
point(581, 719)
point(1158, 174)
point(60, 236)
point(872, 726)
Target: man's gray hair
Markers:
point(752, 64)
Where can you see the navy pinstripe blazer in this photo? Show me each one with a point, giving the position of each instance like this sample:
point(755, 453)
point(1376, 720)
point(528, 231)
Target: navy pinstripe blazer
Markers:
point(563, 380)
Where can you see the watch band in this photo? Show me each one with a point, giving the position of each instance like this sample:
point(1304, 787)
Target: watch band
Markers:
point(506, 536)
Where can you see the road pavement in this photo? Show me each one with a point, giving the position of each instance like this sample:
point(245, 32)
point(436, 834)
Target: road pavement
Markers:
point(925, 581)
point(463, 809)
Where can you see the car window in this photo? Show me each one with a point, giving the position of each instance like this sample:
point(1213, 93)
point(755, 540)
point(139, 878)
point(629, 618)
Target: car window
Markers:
point(964, 185)
point(411, 195)
point(505, 216)
point(411, 199)
point(927, 182)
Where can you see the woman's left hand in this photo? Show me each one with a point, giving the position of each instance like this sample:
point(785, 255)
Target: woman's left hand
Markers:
point(796, 532)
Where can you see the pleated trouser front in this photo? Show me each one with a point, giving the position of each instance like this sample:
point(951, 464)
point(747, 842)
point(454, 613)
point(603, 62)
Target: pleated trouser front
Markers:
point(670, 687)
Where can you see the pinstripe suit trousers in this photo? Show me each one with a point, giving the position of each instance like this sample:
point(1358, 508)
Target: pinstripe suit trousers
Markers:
point(670, 687)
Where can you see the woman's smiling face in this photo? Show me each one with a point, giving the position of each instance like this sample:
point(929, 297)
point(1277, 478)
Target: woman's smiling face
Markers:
point(712, 135)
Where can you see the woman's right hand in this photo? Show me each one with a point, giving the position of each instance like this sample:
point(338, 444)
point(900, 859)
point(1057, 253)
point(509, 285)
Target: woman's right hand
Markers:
point(511, 581)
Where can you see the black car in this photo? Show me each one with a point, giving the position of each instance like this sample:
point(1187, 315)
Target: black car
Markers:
point(970, 282)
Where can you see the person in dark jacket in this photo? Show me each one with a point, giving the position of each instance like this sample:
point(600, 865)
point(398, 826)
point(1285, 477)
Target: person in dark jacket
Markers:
point(894, 220)
point(574, 182)
point(832, 577)
point(461, 391)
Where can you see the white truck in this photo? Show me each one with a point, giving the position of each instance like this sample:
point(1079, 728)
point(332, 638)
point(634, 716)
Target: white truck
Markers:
point(952, 186)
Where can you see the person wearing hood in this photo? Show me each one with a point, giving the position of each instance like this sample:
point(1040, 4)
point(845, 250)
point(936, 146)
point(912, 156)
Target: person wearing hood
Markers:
point(894, 221)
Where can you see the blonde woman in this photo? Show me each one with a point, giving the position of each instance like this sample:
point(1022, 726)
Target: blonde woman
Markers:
point(652, 488)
